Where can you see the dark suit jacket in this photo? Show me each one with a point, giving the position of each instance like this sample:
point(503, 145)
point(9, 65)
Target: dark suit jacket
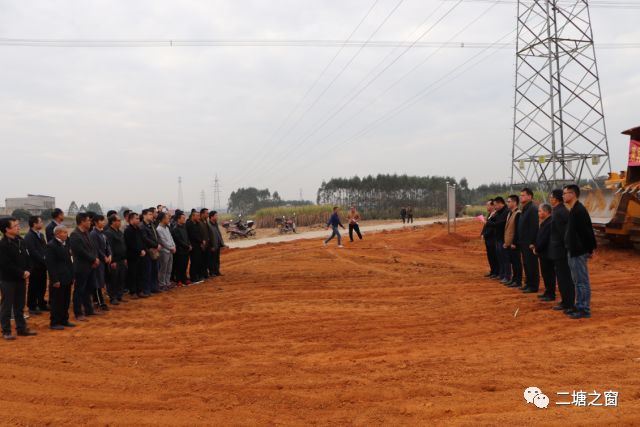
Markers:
point(528, 225)
point(181, 239)
point(543, 239)
point(49, 230)
point(14, 259)
point(84, 253)
point(36, 247)
point(559, 218)
point(498, 223)
point(59, 263)
point(133, 240)
point(149, 235)
point(579, 238)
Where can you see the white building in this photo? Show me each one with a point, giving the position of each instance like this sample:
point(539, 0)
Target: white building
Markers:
point(34, 203)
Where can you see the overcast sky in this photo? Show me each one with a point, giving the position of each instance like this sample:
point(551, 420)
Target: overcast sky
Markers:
point(118, 125)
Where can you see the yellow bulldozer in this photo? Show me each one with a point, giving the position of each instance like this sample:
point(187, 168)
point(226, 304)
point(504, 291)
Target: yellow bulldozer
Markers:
point(615, 209)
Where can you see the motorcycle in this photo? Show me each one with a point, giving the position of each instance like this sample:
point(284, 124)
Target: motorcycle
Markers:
point(286, 225)
point(238, 229)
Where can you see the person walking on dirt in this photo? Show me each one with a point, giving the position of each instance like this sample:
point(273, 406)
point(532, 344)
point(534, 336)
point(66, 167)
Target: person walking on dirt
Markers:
point(334, 223)
point(580, 243)
point(410, 215)
point(403, 214)
point(353, 218)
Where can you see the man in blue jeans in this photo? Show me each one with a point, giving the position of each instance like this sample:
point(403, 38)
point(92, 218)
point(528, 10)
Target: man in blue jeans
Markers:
point(580, 242)
point(334, 223)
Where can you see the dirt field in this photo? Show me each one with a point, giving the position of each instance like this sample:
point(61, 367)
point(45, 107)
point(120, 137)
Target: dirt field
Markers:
point(399, 329)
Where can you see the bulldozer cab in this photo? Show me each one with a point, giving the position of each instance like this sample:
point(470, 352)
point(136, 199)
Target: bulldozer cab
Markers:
point(615, 210)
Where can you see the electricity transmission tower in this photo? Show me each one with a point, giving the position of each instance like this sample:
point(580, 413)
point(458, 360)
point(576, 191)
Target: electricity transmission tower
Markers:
point(559, 133)
point(180, 196)
point(216, 194)
point(203, 200)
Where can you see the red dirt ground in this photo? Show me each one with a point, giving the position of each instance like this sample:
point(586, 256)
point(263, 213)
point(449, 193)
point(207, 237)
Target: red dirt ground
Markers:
point(398, 329)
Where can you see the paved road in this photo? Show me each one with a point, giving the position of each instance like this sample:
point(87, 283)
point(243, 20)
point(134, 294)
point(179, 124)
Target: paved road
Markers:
point(324, 233)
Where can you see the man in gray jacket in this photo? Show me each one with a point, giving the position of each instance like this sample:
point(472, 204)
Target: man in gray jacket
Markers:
point(167, 249)
point(216, 242)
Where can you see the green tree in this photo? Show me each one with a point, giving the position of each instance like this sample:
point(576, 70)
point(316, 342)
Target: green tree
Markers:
point(21, 214)
point(94, 207)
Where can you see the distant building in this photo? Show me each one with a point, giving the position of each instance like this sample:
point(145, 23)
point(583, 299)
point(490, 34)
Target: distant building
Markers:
point(33, 203)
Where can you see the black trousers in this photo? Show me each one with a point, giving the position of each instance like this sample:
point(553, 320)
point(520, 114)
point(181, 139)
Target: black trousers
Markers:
point(215, 256)
point(116, 279)
point(180, 263)
point(82, 292)
point(404, 219)
point(531, 268)
point(356, 228)
point(12, 300)
point(516, 265)
point(195, 269)
point(548, 276)
point(492, 256)
point(565, 283)
point(133, 274)
point(60, 300)
point(37, 288)
point(410, 219)
point(209, 259)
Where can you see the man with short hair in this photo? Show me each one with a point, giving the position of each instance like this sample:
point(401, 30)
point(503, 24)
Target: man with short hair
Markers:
point(136, 253)
point(580, 242)
point(36, 244)
point(167, 249)
point(511, 243)
point(85, 261)
point(217, 243)
point(197, 247)
point(14, 275)
point(152, 248)
point(334, 223)
point(498, 224)
point(488, 234)
point(60, 268)
point(527, 233)
point(207, 254)
point(117, 269)
point(558, 252)
point(183, 247)
point(403, 214)
point(101, 244)
point(57, 217)
point(543, 240)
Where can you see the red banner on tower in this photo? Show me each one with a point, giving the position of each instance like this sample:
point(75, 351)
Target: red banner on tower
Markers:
point(634, 153)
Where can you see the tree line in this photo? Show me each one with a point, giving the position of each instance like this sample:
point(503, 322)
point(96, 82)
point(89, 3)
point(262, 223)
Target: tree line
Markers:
point(247, 201)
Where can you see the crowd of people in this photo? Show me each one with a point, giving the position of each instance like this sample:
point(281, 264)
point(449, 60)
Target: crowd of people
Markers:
point(104, 257)
point(554, 240)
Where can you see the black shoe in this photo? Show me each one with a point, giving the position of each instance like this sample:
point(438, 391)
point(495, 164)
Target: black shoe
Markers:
point(569, 311)
point(56, 327)
point(115, 302)
point(558, 307)
point(547, 299)
point(69, 325)
point(45, 308)
point(141, 295)
point(27, 333)
point(515, 285)
point(580, 315)
point(104, 307)
point(529, 291)
point(542, 296)
point(123, 301)
point(35, 312)
point(8, 337)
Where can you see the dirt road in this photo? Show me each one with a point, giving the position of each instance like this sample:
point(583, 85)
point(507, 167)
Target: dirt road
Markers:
point(399, 329)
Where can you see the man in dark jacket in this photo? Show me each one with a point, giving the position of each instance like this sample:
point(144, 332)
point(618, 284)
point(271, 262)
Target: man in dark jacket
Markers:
point(558, 252)
point(489, 236)
point(498, 224)
point(183, 247)
point(198, 243)
point(14, 273)
point(543, 240)
point(117, 269)
point(217, 243)
point(207, 254)
point(85, 261)
point(60, 268)
point(135, 256)
point(152, 248)
point(57, 217)
point(36, 244)
point(580, 242)
point(527, 233)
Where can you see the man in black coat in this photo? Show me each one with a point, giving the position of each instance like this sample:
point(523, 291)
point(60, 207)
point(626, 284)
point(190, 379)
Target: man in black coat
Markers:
point(152, 248)
point(135, 256)
point(57, 217)
point(36, 245)
point(580, 242)
point(60, 268)
point(85, 261)
point(558, 253)
point(117, 269)
point(543, 240)
point(14, 273)
point(527, 233)
point(198, 243)
point(183, 248)
point(498, 224)
point(489, 236)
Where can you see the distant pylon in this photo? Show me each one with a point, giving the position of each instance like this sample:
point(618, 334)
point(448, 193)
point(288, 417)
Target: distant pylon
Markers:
point(559, 133)
point(180, 197)
point(203, 200)
point(301, 197)
point(216, 194)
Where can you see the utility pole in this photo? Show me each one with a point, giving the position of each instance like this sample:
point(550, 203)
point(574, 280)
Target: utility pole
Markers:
point(216, 194)
point(180, 197)
point(203, 201)
point(559, 133)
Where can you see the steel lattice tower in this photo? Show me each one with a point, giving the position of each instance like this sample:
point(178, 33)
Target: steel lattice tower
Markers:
point(216, 194)
point(559, 133)
point(180, 196)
